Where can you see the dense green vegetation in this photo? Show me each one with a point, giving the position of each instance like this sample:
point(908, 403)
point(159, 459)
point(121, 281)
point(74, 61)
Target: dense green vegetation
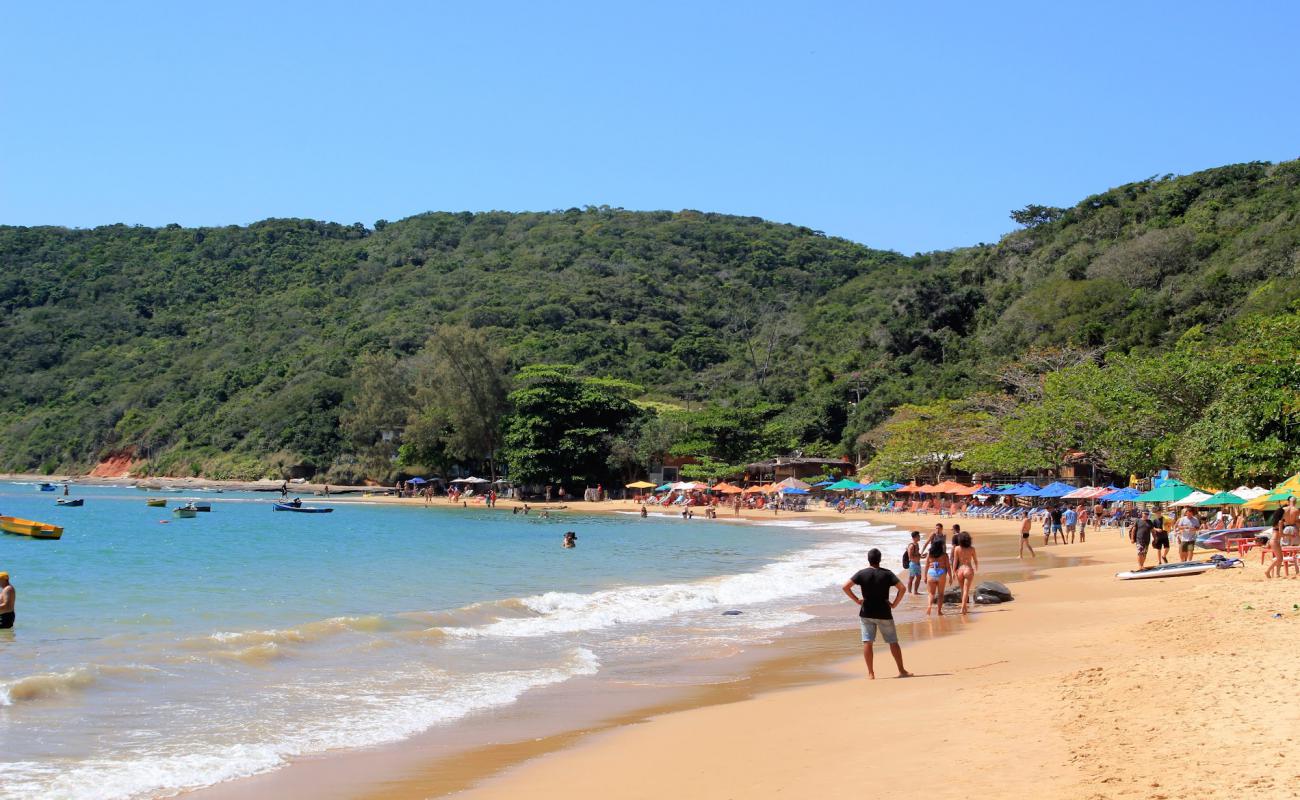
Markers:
point(239, 351)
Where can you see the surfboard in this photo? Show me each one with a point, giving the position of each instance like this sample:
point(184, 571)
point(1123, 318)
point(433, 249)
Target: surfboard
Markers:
point(1167, 571)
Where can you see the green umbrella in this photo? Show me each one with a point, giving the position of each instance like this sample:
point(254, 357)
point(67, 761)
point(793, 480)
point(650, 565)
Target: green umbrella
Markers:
point(1222, 499)
point(1168, 492)
point(844, 484)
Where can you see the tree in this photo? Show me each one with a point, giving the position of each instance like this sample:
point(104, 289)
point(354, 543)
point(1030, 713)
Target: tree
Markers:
point(379, 399)
point(461, 398)
point(925, 439)
point(1031, 216)
point(562, 425)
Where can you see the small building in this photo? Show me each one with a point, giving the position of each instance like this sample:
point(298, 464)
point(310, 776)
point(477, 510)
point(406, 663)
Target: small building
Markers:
point(796, 466)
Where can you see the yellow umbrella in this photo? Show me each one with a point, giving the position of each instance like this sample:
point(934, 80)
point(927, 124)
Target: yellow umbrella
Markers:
point(1292, 483)
point(1272, 500)
point(641, 485)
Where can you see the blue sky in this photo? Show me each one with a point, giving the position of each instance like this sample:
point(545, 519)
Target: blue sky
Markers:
point(911, 126)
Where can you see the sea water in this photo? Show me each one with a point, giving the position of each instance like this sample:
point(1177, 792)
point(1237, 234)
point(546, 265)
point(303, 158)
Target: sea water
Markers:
point(153, 654)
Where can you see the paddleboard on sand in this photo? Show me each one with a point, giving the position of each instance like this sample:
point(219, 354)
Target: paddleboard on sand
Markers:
point(1167, 570)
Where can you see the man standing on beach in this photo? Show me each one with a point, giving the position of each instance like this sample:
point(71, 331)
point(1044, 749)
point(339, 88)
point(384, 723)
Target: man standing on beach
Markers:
point(1070, 518)
point(1140, 535)
point(1188, 526)
point(8, 598)
point(914, 563)
point(876, 612)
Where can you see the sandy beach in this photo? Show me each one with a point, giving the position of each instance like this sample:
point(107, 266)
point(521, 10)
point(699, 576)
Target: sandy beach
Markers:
point(1084, 687)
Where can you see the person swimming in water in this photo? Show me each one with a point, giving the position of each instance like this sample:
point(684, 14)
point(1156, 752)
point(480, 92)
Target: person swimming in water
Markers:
point(967, 563)
point(570, 540)
point(643, 511)
point(8, 599)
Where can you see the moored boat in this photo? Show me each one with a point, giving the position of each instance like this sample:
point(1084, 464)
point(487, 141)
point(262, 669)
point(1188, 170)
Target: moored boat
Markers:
point(187, 511)
point(70, 502)
point(301, 509)
point(46, 487)
point(156, 502)
point(30, 527)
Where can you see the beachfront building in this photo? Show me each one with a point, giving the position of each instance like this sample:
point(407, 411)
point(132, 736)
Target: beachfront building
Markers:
point(796, 466)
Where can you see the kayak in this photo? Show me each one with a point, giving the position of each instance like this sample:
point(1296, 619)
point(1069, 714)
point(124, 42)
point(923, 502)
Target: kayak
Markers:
point(1168, 570)
point(69, 502)
point(302, 509)
point(28, 527)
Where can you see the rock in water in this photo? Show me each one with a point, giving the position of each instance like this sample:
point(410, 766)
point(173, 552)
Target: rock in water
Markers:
point(952, 594)
point(732, 613)
point(985, 599)
point(998, 590)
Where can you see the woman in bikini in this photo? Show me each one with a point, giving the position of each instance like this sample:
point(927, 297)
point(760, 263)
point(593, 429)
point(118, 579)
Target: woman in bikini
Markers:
point(936, 570)
point(967, 562)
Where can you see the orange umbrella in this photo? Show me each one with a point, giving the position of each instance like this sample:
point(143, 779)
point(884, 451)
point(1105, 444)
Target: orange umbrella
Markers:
point(760, 489)
point(909, 488)
point(726, 488)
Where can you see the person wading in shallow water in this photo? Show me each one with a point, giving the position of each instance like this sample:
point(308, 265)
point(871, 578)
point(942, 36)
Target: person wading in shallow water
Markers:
point(876, 612)
point(8, 599)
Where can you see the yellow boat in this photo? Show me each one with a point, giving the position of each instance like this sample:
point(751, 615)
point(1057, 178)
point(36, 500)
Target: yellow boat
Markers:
point(28, 527)
point(156, 502)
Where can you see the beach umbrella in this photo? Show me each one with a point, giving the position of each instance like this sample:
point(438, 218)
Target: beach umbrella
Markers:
point(794, 483)
point(909, 488)
point(665, 488)
point(1168, 492)
point(726, 488)
point(1193, 499)
point(1120, 495)
point(845, 485)
point(953, 487)
point(471, 479)
point(1272, 500)
point(1222, 499)
point(1249, 492)
point(755, 489)
point(793, 490)
point(640, 485)
point(1056, 489)
point(416, 481)
point(824, 483)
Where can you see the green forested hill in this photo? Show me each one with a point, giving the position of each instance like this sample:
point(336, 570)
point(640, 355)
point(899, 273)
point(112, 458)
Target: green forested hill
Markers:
point(224, 350)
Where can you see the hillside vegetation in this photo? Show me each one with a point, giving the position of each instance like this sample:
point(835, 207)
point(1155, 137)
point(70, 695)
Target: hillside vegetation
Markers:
point(235, 351)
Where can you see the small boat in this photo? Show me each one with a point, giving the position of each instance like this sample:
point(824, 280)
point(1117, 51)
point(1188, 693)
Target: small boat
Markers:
point(203, 507)
point(172, 489)
point(28, 527)
point(301, 509)
point(46, 487)
point(156, 502)
point(69, 502)
point(187, 511)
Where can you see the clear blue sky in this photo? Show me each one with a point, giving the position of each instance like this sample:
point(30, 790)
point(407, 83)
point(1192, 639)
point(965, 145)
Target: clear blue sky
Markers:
point(904, 125)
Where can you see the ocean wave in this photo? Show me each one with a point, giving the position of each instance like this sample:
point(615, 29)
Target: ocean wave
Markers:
point(77, 679)
point(196, 766)
point(796, 575)
point(302, 634)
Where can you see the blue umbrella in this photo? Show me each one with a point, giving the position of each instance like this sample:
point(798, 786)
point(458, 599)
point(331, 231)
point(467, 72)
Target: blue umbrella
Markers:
point(664, 488)
point(1120, 495)
point(793, 490)
point(1057, 489)
point(416, 481)
point(823, 483)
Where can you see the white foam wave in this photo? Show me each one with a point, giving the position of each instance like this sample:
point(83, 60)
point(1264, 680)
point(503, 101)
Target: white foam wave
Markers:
point(380, 722)
point(793, 576)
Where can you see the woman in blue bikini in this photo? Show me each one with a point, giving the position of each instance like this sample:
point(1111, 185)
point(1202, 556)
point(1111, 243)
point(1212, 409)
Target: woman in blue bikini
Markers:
point(936, 570)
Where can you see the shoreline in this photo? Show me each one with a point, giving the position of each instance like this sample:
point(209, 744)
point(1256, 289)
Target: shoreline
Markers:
point(430, 765)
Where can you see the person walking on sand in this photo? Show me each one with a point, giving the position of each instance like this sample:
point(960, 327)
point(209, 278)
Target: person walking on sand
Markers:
point(914, 563)
point(1159, 538)
point(876, 611)
point(1071, 518)
point(1275, 566)
point(966, 562)
point(1025, 525)
point(936, 570)
point(8, 599)
point(1188, 526)
point(1140, 535)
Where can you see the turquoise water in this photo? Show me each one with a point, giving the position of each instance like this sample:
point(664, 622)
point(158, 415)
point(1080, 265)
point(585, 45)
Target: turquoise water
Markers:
point(153, 653)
